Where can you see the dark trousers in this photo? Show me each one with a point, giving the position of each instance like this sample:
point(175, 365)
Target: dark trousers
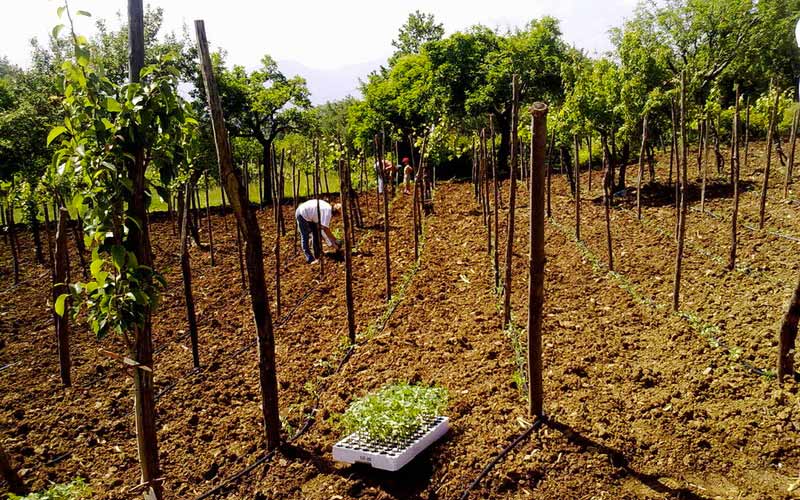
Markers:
point(308, 230)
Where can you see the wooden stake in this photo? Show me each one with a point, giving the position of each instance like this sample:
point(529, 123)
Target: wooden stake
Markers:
point(577, 186)
point(607, 194)
point(790, 164)
point(736, 175)
point(208, 224)
point(511, 202)
point(770, 137)
point(318, 232)
point(536, 260)
point(344, 179)
point(186, 272)
point(496, 183)
point(788, 336)
point(681, 233)
point(60, 280)
point(255, 260)
point(382, 173)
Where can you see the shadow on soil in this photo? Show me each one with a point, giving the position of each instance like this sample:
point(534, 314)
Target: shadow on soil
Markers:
point(618, 459)
point(658, 194)
point(409, 482)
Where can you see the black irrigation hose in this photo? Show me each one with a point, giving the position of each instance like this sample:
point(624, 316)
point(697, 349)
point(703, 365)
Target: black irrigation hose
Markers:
point(266, 458)
point(710, 338)
point(536, 424)
point(749, 226)
point(306, 425)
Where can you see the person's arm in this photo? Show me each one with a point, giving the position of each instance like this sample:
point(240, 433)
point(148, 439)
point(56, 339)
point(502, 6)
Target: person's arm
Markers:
point(330, 237)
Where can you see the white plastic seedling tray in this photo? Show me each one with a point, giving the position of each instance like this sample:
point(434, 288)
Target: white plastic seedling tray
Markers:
point(357, 448)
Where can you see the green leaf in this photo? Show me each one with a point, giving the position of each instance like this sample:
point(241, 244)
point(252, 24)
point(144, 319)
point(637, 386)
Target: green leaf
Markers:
point(96, 266)
point(57, 131)
point(118, 256)
point(59, 305)
point(113, 105)
point(60, 11)
point(83, 13)
point(57, 29)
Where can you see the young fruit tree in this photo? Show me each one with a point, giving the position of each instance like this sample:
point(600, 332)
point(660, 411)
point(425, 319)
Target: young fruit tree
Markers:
point(512, 200)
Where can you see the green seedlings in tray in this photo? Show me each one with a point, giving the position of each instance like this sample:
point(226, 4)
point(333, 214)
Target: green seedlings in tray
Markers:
point(74, 490)
point(395, 412)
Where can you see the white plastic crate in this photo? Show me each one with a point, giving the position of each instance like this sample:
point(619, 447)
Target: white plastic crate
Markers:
point(358, 448)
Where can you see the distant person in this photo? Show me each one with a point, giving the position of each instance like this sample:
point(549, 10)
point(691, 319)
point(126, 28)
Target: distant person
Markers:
point(307, 220)
point(387, 171)
point(407, 171)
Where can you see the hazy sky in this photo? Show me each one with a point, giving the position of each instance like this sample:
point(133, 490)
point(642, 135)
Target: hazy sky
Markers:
point(318, 34)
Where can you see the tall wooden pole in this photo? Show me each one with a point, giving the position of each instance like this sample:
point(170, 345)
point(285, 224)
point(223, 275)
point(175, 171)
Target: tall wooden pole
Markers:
point(344, 189)
point(681, 233)
point(318, 232)
point(255, 259)
point(607, 194)
point(382, 173)
point(790, 164)
point(762, 207)
point(60, 279)
point(577, 187)
point(186, 272)
point(736, 175)
point(496, 183)
point(511, 202)
point(536, 260)
point(208, 224)
point(139, 243)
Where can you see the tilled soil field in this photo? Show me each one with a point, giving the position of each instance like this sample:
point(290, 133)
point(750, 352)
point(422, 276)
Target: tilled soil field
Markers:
point(641, 402)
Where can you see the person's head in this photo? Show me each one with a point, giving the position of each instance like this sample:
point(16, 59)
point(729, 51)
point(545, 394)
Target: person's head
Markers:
point(405, 160)
point(336, 208)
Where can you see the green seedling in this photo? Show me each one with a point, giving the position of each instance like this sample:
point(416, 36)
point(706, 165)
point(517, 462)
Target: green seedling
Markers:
point(395, 412)
point(74, 490)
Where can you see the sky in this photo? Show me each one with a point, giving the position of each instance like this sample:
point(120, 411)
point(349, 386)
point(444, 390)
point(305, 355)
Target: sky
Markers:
point(332, 44)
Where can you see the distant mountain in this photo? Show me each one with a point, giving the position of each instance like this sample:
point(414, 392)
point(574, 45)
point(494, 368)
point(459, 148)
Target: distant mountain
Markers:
point(331, 84)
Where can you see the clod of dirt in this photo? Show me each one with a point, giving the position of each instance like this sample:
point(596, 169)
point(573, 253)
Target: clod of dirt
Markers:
point(211, 472)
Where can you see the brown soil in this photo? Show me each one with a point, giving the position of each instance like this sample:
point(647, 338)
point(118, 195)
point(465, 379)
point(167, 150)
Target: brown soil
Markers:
point(641, 402)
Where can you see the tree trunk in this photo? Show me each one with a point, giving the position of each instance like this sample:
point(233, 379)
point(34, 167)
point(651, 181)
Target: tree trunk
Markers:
point(13, 243)
point(770, 136)
point(7, 472)
point(549, 173)
point(623, 165)
point(536, 260)
point(255, 260)
point(607, 194)
point(681, 233)
point(736, 166)
point(641, 169)
point(511, 202)
point(746, 137)
point(60, 280)
point(186, 271)
point(589, 147)
point(266, 146)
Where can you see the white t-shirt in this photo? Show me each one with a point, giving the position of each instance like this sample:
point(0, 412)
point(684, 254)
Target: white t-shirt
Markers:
point(308, 211)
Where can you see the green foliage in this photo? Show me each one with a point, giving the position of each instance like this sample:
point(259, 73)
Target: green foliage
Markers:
point(105, 123)
point(419, 29)
point(73, 490)
point(395, 412)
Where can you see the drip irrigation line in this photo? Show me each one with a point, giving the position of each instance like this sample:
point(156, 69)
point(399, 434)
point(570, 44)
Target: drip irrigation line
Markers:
point(750, 226)
point(312, 417)
point(6, 367)
point(712, 340)
point(536, 424)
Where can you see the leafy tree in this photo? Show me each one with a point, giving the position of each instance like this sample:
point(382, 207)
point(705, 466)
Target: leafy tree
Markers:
point(262, 105)
point(419, 29)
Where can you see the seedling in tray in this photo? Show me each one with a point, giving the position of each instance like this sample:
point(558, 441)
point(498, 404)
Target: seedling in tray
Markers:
point(389, 428)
